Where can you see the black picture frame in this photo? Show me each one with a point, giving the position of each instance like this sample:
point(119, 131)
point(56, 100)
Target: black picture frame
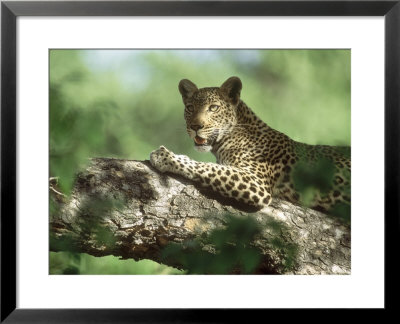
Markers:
point(10, 10)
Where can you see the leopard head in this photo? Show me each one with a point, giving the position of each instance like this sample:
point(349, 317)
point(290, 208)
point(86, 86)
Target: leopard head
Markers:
point(210, 113)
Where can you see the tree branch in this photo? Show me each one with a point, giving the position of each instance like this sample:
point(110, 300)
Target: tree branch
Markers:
point(127, 209)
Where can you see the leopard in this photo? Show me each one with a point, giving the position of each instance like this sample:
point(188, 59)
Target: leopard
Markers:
point(254, 162)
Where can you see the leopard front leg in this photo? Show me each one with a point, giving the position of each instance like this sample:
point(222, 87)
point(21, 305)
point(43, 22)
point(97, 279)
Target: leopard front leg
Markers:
point(229, 181)
point(166, 161)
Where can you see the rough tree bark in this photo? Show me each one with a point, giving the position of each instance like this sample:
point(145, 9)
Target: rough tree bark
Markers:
point(128, 209)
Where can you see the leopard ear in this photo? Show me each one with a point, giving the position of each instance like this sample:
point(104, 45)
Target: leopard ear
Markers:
point(187, 88)
point(232, 88)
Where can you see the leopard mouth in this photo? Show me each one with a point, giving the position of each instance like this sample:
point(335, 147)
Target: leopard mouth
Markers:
point(209, 141)
point(199, 141)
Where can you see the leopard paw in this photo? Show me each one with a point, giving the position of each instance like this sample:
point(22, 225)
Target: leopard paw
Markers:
point(161, 159)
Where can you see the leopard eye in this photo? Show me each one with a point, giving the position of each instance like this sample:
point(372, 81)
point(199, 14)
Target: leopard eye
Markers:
point(189, 108)
point(213, 108)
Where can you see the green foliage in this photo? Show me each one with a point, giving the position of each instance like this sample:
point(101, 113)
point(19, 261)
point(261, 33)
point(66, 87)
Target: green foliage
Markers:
point(342, 211)
point(311, 178)
point(79, 125)
point(70, 264)
point(288, 251)
point(230, 250)
point(125, 103)
point(66, 263)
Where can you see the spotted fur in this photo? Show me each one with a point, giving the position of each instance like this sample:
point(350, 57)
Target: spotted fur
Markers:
point(254, 161)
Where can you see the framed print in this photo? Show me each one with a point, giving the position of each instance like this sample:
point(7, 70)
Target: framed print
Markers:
point(103, 194)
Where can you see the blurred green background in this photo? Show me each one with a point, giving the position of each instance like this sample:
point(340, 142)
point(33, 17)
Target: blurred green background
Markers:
point(125, 103)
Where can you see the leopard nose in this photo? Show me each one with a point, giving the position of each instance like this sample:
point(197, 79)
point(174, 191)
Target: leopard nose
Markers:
point(196, 127)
